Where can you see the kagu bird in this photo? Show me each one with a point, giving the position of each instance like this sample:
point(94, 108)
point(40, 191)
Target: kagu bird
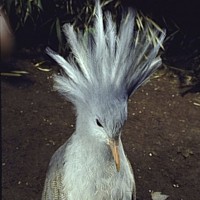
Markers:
point(108, 66)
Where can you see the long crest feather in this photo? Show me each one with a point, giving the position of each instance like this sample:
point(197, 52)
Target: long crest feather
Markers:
point(107, 61)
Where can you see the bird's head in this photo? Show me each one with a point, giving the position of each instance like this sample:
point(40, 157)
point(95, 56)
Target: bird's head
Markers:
point(102, 117)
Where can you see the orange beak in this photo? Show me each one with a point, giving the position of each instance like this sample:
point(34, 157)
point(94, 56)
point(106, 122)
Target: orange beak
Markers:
point(114, 145)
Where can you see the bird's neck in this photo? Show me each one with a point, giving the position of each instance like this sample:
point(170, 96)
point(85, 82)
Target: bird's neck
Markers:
point(87, 149)
point(87, 146)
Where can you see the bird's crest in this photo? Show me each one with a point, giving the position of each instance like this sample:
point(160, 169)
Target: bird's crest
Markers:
point(106, 61)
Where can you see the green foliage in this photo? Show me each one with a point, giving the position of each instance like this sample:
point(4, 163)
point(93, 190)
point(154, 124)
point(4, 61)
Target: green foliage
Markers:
point(45, 17)
point(24, 10)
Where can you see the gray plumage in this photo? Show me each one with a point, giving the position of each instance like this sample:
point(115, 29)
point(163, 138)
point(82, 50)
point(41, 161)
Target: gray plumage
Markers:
point(107, 67)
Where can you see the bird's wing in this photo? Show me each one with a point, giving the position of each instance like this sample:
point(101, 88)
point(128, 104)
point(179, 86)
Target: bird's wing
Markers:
point(53, 188)
point(134, 187)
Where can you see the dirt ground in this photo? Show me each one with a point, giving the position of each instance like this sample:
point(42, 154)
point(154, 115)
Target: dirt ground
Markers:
point(161, 136)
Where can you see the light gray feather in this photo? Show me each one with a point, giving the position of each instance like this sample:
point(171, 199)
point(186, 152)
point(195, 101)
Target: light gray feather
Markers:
point(104, 58)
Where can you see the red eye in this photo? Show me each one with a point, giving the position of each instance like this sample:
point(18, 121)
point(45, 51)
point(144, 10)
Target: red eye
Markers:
point(98, 123)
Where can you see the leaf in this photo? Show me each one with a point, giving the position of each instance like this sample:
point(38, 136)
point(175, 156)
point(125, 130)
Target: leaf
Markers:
point(40, 4)
point(27, 12)
point(39, 63)
point(42, 68)
point(58, 30)
point(20, 72)
point(59, 33)
point(104, 3)
point(52, 27)
point(8, 5)
point(10, 74)
point(158, 196)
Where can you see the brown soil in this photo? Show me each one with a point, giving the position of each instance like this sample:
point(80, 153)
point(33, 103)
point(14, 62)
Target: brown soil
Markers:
point(161, 136)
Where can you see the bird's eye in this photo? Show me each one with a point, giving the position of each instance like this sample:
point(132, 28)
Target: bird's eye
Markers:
point(98, 123)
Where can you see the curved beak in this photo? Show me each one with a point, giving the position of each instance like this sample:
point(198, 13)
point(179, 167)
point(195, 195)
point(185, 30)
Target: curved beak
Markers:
point(114, 146)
